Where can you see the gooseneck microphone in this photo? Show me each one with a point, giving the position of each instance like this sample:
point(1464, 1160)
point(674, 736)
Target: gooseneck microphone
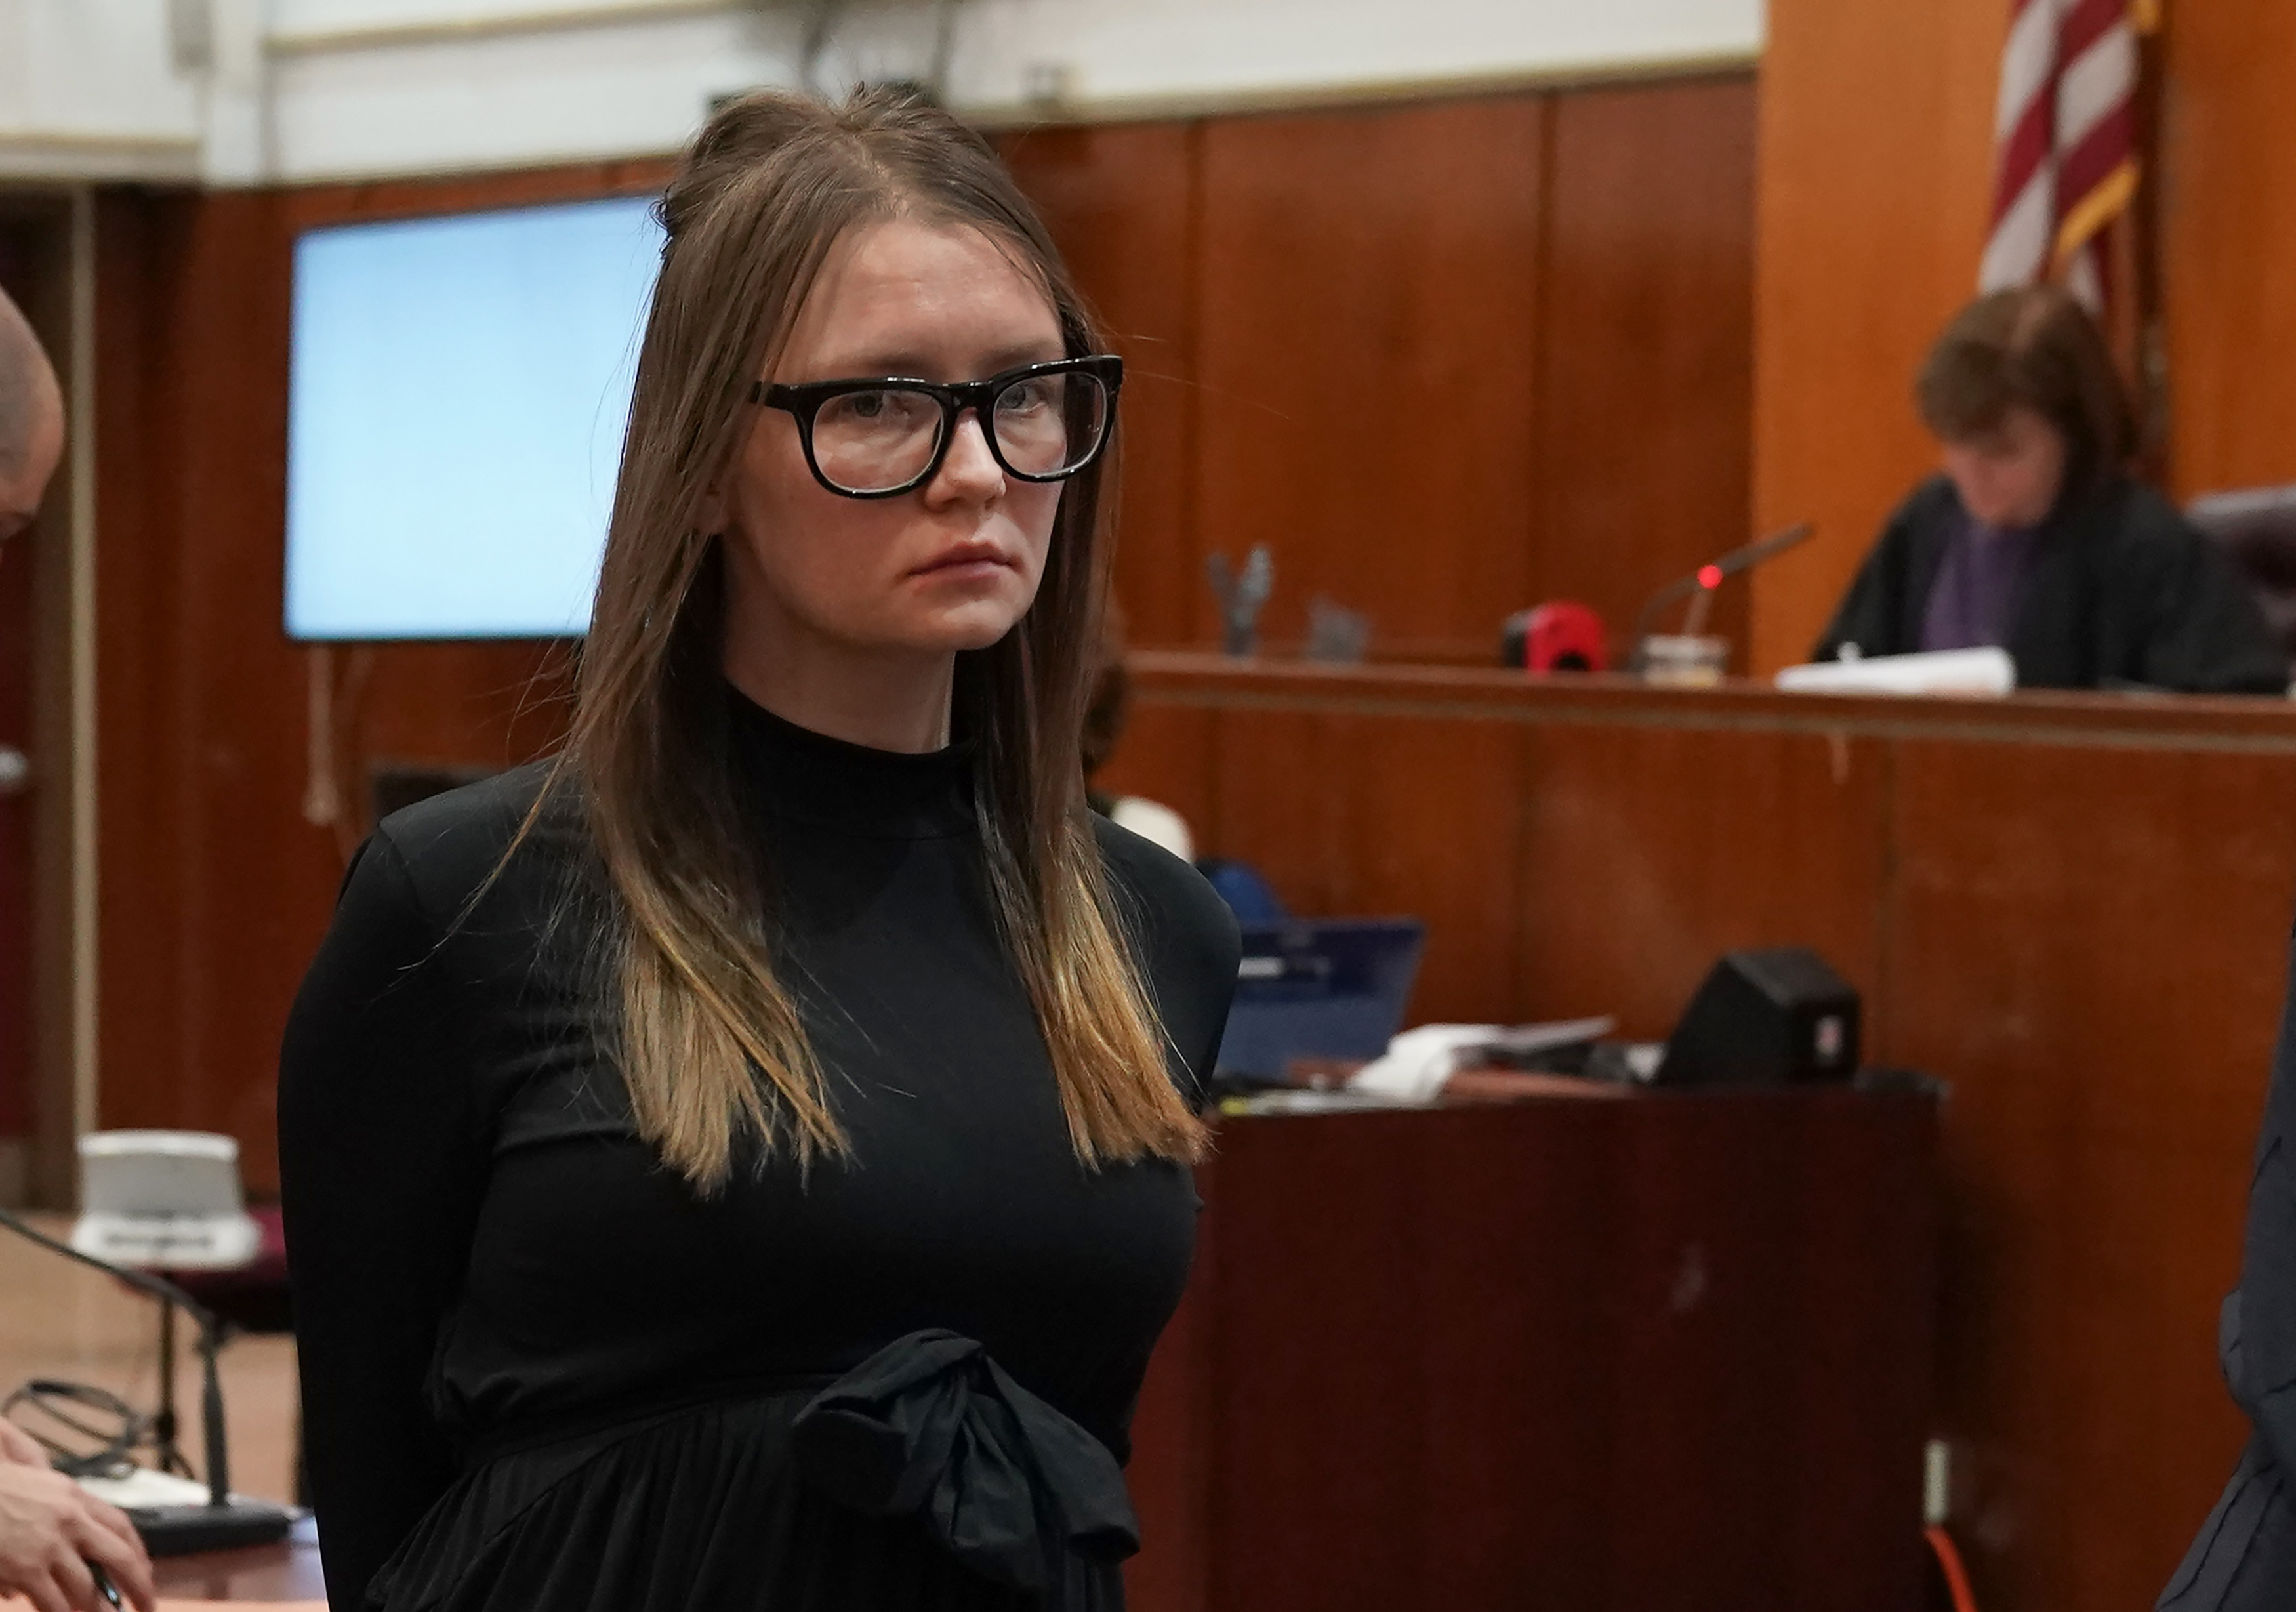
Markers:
point(1699, 586)
point(223, 1522)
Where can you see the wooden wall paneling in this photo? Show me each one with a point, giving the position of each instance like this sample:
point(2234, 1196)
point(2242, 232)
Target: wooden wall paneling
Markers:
point(1368, 329)
point(1123, 201)
point(1645, 411)
point(2089, 945)
point(257, 878)
point(309, 207)
point(143, 837)
point(1860, 1335)
point(1873, 183)
point(36, 826)
point(1170, 1475)
point(1365, 816)
point(1167, 753)
point(1648, 851)
point(2228, 228)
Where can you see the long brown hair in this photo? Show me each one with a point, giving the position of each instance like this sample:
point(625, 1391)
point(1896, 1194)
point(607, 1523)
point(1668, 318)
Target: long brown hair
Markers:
point(708, 1040)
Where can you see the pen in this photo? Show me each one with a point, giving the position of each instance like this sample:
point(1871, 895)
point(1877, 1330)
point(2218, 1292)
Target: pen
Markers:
point(104, 1583)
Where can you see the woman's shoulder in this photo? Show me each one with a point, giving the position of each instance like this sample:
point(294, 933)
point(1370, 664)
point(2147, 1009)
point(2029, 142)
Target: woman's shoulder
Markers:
point(2139, 514)
point(2139, 533)
point(452, 845)
point(1189, 934)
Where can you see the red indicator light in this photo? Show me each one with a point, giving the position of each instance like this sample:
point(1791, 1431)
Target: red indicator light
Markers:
point(1709, 577)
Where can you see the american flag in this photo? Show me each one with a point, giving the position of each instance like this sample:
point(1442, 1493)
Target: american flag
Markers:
point(2065, 130)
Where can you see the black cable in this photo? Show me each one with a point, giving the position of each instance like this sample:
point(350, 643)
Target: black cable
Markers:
point(211, 1337)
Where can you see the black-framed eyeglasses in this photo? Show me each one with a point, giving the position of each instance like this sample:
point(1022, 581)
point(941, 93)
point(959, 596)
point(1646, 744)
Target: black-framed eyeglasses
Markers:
point(880, 436)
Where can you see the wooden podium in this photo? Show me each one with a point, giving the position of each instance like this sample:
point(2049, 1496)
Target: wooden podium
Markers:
point(1651, 1353)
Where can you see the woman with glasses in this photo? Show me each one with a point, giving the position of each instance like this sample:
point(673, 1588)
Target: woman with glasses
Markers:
point(743, 1163)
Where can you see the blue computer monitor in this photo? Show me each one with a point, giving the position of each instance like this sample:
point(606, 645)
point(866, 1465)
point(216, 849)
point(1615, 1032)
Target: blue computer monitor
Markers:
point(1319, 988)
point(457, 394)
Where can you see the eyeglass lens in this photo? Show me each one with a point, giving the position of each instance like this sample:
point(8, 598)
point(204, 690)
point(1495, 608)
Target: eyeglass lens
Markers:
point(1041, 425)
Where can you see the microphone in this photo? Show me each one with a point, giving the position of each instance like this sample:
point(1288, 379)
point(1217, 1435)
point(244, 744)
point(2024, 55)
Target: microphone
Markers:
point(223, 1523)
point(1699, 586)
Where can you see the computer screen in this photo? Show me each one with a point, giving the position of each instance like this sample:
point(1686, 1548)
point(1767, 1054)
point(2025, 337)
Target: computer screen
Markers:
point(458, 391)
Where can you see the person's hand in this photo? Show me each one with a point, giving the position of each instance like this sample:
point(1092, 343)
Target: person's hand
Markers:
point(50, 1529)
point(19, 1448)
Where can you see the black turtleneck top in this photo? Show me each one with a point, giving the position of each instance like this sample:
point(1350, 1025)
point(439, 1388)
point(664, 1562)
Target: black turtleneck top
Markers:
point(481, 1246)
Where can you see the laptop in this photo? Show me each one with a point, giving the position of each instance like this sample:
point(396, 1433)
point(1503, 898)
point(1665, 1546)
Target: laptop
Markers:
point(1322, 988)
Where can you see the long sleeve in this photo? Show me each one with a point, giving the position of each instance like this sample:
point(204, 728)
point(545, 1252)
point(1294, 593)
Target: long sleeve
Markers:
point(1871, 614)
point(2210, 634)
point(381, 1173)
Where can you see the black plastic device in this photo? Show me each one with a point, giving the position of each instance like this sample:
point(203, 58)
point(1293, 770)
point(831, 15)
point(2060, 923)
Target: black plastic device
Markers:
point(1766, 1018)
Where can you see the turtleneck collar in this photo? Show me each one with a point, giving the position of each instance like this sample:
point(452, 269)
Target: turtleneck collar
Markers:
point(795, 773)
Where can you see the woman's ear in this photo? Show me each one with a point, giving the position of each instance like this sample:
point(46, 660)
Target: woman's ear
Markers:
point(709, 514)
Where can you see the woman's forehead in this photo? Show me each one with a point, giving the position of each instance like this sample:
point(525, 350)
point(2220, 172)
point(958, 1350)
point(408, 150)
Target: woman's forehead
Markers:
point(903, 287)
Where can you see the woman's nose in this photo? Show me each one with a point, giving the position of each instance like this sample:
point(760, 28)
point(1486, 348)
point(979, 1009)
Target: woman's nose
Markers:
point(970, 471)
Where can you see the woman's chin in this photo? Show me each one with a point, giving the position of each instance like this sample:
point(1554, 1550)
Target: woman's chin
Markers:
point(976, 627)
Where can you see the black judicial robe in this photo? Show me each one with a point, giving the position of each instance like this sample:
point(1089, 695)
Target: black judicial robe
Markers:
point(2122, 589)
point(2244, 1558)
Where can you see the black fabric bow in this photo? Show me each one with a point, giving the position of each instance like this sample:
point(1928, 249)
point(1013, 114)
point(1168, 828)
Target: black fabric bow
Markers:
point(929, 1426)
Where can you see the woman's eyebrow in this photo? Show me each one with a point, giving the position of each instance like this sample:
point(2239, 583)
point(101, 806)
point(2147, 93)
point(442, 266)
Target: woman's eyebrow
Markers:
point(909, 365)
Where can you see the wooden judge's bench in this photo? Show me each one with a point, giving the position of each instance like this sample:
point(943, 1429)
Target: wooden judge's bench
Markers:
point(2073, 909)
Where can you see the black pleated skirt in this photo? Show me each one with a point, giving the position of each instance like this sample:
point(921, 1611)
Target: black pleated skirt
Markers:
point(924, 1481)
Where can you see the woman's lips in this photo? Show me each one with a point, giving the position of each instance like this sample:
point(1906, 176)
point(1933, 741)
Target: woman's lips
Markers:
point(972, 561)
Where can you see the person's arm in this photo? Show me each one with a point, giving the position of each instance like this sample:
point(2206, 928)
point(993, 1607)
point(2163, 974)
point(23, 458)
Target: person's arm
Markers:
point(51, 1529)
point(2208, 634)
point(2257, 1334)
point(1871, 612)
point(380, 1173)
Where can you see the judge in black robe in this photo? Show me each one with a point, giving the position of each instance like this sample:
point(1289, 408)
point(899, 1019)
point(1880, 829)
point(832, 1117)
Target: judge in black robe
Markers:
point(2120, 591)
point(2036, 538)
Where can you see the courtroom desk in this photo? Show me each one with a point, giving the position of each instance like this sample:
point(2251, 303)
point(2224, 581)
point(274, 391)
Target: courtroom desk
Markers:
point(271, 1573)
point(286, 1577)
point(1662, 1350)
point(2072, 907)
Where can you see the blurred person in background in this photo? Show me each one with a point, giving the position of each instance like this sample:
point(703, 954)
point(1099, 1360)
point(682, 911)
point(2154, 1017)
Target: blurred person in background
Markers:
point(2034, 536)
point(1103, 726)
point(51, 1529)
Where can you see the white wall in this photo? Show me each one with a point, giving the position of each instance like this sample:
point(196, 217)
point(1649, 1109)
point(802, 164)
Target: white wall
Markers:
point(87, 88)
point(309, 89)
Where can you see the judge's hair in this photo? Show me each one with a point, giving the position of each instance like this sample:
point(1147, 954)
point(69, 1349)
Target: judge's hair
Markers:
point(2035, 347)
point(705, 1029)
point(28, 390)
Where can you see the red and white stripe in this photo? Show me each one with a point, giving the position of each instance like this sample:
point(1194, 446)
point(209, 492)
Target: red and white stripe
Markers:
point(2064, 137)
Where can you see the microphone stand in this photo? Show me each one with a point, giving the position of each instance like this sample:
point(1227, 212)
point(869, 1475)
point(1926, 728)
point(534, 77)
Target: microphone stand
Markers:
point(223, 1522)
point(1699, 586)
